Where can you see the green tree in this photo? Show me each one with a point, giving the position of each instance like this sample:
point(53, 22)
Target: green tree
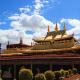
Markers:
point(25, 74)
point(49, 75)
point(40, 76)
point(74, 70)
point(57, 75)
point(70, 72)
point(62, 72)
point(67, 74)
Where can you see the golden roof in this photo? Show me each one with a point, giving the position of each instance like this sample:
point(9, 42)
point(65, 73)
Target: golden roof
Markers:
point(58, 37)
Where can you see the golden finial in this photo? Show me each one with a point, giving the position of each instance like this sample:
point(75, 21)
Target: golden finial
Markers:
point(56, 27)
point(48, 28)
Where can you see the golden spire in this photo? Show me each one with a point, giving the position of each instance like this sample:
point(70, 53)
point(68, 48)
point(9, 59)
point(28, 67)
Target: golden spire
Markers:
point(56, 27)
point(48, 28)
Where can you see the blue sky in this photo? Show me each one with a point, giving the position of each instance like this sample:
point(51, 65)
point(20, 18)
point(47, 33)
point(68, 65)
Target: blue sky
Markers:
point(56, 10)
point(30, 18)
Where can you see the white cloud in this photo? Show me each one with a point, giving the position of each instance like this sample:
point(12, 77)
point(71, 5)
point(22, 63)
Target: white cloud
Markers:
point(33, 9)
point(30, 23)
point(35, 23)
point(7, 34)
point(14, 17)
point(25, 9)
point(42, 5)
point(38, 5)
point(13, 36)
point(45, 1)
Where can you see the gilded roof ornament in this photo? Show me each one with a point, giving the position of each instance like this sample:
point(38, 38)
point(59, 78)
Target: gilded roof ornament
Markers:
point(56, 27)
point(48, 28)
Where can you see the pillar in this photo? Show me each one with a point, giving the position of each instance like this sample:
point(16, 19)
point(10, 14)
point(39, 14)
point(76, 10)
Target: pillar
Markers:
point(31, 66)
point(73, 66)
point(0, 66)
point(37, 68)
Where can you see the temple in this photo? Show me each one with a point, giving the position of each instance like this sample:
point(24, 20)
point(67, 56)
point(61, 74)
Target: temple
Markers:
point(57, 39)
point(54, 51)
